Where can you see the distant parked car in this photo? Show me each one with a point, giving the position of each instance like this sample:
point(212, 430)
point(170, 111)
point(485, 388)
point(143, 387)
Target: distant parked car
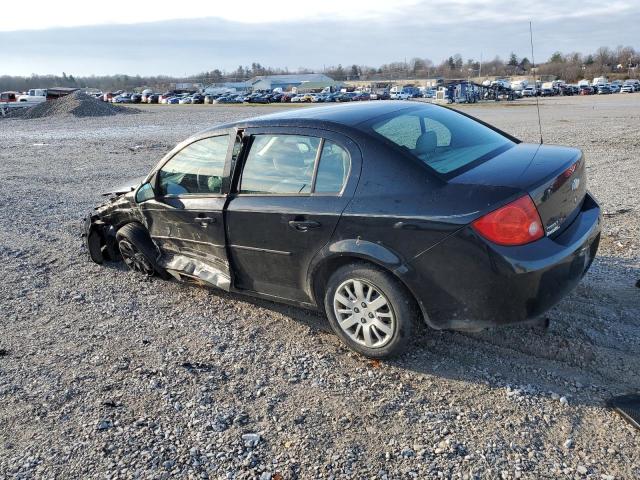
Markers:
point(145, 97)
point(107, 96)
point(615, 88)
point(165, 96)
point(173, 101)
point(224, 99)
point(627, 89)
point(123, 98)
point(586, 90)
point(153, 98)
point(604, 90)
point(400, 96)
point(565, 90)
point(185, 101)
point(136, 98)
point(547, 92)
point(264, 98)
point(529, 91)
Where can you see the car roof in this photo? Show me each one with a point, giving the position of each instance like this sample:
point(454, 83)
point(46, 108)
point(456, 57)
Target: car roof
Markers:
point(346, 115)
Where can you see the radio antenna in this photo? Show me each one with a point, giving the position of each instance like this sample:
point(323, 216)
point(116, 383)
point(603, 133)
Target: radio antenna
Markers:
point(535, 83)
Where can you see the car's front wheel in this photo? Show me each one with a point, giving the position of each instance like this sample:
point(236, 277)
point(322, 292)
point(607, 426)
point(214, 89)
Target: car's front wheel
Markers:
point(137, 250)
point(370, 310)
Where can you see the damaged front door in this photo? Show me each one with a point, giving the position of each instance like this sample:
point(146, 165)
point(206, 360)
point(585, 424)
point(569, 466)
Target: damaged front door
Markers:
point(185, 219)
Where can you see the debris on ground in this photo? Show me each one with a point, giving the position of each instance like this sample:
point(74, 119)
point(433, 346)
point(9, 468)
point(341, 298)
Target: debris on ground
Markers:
point(619, 211)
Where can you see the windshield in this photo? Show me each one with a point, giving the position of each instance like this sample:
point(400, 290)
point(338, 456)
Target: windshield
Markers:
point(443, 139)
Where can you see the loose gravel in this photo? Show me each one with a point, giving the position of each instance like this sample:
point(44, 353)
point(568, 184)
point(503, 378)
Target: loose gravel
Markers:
point(78, 104)
point(105, 375)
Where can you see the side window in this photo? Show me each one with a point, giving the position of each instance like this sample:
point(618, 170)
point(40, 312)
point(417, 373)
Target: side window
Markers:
point(197, 168)
point(333, 169)
point(278, 164)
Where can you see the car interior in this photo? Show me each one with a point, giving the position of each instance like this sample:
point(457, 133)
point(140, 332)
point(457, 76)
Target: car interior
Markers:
point(279, 164)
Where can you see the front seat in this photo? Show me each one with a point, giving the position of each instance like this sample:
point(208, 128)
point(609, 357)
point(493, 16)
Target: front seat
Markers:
point(426, 144)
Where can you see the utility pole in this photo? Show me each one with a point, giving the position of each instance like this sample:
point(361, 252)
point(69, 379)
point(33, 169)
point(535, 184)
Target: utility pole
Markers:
point(480, 68)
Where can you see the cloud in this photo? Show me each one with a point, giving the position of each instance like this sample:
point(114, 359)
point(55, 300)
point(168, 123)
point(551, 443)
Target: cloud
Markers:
point(434, 30)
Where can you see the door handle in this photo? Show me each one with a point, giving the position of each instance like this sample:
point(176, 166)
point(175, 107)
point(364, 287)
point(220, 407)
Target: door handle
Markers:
point(303, 225)
point(205, 220)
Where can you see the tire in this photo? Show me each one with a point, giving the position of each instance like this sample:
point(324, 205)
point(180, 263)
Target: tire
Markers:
point(383, 329)
point(138, 251)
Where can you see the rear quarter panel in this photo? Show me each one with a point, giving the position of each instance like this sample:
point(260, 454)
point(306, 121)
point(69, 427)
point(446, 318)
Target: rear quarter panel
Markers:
point(400, 204)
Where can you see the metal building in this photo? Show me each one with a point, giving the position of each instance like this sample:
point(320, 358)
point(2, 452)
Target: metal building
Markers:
point(286, 82)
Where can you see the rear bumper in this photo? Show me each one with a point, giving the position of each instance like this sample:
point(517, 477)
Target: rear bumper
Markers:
point(467, 283)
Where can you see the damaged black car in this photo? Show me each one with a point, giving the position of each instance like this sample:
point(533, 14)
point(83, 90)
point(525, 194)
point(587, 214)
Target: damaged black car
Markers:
point(382, 215)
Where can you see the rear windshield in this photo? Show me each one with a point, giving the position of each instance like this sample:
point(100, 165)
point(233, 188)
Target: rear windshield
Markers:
point(443, 139)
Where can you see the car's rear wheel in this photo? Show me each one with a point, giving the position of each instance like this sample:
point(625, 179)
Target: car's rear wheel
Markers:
point(137, 250)
point(370, 310)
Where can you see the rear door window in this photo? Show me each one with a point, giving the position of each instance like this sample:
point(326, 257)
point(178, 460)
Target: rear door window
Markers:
point(283, 164)
point(333, 169)
point(279, 164)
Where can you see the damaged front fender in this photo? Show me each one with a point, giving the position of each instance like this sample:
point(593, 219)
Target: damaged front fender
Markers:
point(101, 225)
point(100, 239)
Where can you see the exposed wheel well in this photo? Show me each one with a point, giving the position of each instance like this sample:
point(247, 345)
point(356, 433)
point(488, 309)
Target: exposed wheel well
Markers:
point(326, 268)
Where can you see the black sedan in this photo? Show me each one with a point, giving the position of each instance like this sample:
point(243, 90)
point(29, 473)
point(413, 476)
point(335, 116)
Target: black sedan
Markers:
point(381, 214)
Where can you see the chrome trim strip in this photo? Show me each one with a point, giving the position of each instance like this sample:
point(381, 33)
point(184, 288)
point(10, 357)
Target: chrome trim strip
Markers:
point(256, 249)
point(161, 237)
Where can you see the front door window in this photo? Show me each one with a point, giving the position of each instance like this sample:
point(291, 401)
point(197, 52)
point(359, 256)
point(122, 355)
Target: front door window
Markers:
point(196, 169)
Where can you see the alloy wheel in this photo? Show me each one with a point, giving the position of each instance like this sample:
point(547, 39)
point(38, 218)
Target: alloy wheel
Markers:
point(364, 313)
point(134, 259)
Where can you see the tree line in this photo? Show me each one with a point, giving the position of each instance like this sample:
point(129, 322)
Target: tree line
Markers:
point(622, 61)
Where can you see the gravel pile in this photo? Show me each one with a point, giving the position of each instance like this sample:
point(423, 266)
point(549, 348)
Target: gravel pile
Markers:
point(103, 375)
point(78, 104)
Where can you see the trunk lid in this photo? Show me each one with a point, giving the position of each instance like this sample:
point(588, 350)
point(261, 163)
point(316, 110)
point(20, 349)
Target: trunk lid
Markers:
point(553, 176)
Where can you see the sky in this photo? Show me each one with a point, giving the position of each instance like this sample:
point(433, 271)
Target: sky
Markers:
point(121, 37)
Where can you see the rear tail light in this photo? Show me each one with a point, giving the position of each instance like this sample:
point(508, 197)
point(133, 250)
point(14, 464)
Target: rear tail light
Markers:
point(517, 223)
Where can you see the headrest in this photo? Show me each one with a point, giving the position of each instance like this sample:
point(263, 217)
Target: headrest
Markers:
point(427, 142)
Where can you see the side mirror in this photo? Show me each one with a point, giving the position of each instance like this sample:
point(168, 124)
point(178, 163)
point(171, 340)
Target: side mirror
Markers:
point(145, 192)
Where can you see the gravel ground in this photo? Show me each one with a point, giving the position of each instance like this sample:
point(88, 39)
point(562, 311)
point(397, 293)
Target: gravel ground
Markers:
point(103, 375)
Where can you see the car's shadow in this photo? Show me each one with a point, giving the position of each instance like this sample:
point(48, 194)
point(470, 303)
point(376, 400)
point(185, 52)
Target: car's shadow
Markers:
point(588, 353)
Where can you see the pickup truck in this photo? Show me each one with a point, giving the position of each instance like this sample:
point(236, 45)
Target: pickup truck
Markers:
point(9, 97)
point(33, 97)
